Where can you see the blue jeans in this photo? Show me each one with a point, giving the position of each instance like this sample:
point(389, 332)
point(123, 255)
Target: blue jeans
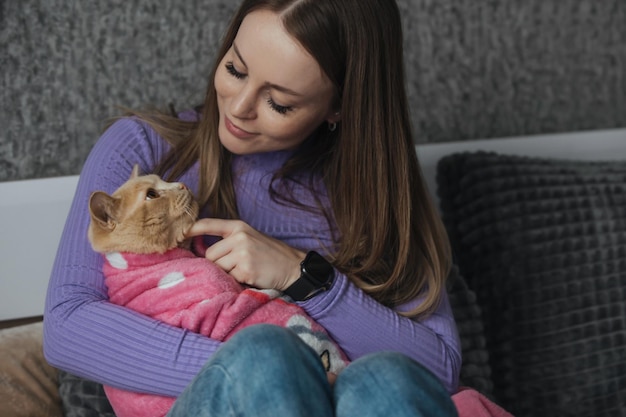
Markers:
point(266, 370)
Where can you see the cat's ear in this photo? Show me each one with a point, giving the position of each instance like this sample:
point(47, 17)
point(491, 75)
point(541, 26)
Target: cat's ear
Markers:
point(135, 172)
point(103, 209)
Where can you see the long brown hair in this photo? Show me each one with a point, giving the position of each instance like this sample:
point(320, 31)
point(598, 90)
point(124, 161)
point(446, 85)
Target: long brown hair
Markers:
point(391, 241)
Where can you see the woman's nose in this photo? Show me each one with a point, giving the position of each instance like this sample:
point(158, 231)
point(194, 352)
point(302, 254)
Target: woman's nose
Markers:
point(243, 103)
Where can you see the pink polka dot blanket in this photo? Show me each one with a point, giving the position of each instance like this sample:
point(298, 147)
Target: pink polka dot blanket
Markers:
point(184, 290)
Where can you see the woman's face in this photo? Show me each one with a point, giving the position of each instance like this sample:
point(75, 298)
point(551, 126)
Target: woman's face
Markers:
point(271, 93)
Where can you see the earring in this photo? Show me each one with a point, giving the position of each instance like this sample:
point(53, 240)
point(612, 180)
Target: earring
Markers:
point(332, 126)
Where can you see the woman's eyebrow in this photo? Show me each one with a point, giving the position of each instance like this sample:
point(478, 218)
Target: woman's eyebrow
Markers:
point(266, 84)
point(239, 55)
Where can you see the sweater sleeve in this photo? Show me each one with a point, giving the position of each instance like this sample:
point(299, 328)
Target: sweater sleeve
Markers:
point(84, 333)
point(361, 325)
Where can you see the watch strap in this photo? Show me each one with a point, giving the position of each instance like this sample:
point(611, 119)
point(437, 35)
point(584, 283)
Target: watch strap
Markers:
point(316, 275)
point(302, 289)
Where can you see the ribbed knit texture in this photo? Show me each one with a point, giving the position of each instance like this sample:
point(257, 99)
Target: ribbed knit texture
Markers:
point(89, 337)
point(543, 244)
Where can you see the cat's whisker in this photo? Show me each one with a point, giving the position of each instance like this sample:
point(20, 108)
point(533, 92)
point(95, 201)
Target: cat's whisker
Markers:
point(188, 211)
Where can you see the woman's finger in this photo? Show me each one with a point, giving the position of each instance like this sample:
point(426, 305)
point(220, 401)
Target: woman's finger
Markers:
point(228, 263)
point(218, 250)
point(213, 227)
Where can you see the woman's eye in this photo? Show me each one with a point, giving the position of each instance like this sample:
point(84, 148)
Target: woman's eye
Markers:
point(230, 68)
point(277, 107)
point(151, 194)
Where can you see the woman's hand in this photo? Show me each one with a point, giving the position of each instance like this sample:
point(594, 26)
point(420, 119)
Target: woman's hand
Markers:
point(251, 257)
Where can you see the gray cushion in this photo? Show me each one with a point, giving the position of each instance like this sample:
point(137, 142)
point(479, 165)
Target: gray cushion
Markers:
point(475, 372)
point(543, 244)
point(82, 397)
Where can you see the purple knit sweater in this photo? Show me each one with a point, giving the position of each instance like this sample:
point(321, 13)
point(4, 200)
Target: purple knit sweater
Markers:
point(88, 336)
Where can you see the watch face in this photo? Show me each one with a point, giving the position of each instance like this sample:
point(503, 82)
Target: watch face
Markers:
point(317, 268)
point(316, 275)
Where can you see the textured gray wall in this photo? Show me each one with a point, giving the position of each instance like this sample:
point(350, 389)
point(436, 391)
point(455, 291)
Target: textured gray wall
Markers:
point(475, 69)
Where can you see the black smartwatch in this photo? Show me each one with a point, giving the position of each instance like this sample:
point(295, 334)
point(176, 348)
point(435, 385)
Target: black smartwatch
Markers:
point(316, 275)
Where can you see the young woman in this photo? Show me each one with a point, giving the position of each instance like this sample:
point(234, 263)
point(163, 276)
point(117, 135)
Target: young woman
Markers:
point(303, 158)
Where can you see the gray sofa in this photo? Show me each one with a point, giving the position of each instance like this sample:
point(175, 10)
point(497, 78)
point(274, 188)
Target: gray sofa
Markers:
point(538, 290)
point(541, 337)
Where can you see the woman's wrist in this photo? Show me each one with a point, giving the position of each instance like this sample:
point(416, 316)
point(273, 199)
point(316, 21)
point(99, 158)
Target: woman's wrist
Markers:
point(295, 272)
point(316, 275)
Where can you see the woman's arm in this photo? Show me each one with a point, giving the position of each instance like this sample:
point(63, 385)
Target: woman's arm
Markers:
point(360, 325)
point(356, 321)
point(261, 252)
point(86, 335)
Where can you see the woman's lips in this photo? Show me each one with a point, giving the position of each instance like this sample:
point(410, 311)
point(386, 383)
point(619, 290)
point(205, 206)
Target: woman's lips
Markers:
point(237, 131)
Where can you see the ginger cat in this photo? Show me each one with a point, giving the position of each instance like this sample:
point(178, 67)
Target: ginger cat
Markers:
point(140, 230)
point(145, 215)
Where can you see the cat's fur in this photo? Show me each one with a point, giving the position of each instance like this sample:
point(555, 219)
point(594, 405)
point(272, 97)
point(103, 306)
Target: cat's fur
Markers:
point(140, 229)
point(144, 215)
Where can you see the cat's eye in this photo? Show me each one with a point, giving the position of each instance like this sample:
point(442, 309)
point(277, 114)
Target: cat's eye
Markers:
point(151, 194)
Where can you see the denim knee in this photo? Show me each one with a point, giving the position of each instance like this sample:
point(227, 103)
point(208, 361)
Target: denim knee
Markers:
point(387, 369)
point(266, 347)
point(263, 370)
point(377, 383)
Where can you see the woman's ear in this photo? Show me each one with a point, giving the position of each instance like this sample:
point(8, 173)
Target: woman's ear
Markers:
point(334, 118)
